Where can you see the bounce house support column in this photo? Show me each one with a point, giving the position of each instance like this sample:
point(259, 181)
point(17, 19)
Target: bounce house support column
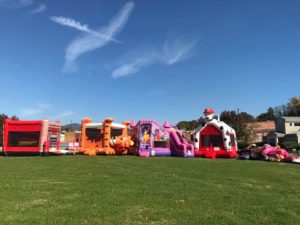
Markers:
point(126, 143)
point(125, 130)
point(5, 136)
point(43, 137)
point(107, 136)
point(83, 134)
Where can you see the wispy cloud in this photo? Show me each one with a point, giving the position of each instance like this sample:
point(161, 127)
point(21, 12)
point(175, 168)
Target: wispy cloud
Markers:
point(65, 114)
point(39, 9)
point(173, 51)
point(71, 23)
point(15, 4)
point(38, 109)
point(92, 40)
point(81, 27)
point(133, 66)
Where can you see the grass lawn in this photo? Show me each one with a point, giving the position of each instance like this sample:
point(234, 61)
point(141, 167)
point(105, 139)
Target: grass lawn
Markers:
point(132, 190)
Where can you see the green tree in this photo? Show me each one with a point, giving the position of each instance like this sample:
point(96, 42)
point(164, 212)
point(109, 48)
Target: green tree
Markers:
point(280, 111)
point(245, 117)
point(238, 122)
point(232, 117)
point(293, 106)
point(229, 117)
point(269, 115)
point(188, 125)
point(2, 119)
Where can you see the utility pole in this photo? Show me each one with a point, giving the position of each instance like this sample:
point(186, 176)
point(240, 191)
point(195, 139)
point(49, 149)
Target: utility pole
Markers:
point(237, 122)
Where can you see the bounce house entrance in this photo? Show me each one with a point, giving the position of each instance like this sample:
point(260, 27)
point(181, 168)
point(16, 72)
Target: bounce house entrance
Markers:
point(211, 136)
point(116, 132)
point(93, 137)
point(23, 139)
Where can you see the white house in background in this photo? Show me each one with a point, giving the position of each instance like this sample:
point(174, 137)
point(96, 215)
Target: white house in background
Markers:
point(287, 130)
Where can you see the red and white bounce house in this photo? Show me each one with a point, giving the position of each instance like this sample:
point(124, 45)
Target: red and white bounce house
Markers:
point(214, 138)
point(31, 137)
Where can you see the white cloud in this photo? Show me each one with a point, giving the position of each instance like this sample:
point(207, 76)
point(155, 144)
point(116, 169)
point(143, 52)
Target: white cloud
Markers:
point(64, 114)
point(92, 40)
point(77, 25)
point(38, 109)
point(15, 4)
point(133, 67)
point(173, 51)
point(71, 23)
point(39, 9)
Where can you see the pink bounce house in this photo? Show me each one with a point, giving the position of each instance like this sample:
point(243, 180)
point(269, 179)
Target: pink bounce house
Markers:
point(37, 137)
point(214, 138)
point(152, 139)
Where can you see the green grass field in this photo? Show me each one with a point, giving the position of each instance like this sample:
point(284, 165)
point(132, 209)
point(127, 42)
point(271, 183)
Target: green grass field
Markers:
point(132, 190)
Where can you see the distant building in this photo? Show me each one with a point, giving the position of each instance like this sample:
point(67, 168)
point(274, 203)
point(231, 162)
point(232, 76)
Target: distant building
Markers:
point(260, 130)
point(70, 136)
point(287, 130)
point(70, 132)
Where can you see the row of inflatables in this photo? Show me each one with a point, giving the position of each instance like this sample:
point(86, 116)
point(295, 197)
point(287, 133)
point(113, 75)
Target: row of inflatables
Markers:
point(213, 138)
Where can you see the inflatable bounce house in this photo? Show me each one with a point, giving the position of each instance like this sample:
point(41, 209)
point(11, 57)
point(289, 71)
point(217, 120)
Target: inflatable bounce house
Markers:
point(214, 138)
point(31, 137)
point(106, 138)
point(270, 153)
point(152, 139)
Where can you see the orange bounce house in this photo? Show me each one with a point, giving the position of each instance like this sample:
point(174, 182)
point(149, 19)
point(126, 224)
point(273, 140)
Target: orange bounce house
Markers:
point(106, 138)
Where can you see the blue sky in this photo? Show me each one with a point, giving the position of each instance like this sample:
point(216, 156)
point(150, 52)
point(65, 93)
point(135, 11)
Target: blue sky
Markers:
point(162, 60)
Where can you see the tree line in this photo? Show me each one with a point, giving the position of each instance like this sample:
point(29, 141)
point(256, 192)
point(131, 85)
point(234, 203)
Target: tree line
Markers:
point(2, 119)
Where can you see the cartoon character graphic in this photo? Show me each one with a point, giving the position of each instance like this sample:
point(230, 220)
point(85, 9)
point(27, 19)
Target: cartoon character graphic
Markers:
point(146, 136)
